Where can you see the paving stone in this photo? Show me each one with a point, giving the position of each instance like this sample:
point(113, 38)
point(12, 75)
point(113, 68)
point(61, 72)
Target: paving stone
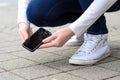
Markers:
point(55, 50)
point(114, 65)
point(5, 57)
point(67, 53)
point(94, 73)
point(108, 59)
point(39, 56)
point(46, 57)
point(35, 71)
point(63, 65)
point(114, 78)
point(16, 63)
point(2, 52)
point(12, 49)
point(62, 76)
point(25, 53)
point(12, 38)
point(7, 37)
point(1, 70)
point(116, 52)
point(9, 76)
point(6, 44)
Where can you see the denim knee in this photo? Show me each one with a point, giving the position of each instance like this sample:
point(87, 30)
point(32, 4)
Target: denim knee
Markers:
point(115, 7)
point(34, 17)
point(37, 11)
point(39, 19)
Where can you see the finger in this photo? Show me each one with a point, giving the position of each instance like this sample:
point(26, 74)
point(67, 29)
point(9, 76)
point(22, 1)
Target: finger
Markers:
point(22, 37)
point(30, 32)
point(49, 39)
point(26, 35)
point(54, 43)
point(47, 45)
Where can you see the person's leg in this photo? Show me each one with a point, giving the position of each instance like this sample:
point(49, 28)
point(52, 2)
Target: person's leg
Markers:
point(115, 7)
point(53, 12)
point(99, 27)
point(95, 46)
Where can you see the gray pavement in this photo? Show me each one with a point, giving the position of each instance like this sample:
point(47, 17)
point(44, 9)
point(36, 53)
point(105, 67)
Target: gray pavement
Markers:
point(16, 63)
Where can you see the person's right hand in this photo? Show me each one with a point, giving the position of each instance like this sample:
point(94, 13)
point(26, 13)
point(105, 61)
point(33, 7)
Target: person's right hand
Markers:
point(24, 31)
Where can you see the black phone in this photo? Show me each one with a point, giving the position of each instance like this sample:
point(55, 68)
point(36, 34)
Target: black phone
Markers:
point(34, 41)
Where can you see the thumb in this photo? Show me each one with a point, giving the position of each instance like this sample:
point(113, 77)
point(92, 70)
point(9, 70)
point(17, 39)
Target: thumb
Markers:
point(23, 35)
point(49, 39)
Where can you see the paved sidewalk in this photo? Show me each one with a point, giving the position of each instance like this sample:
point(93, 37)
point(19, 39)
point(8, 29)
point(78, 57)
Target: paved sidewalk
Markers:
point(16, 63)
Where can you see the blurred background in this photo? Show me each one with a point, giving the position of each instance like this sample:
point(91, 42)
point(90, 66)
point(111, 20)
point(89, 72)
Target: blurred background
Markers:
point(8, 13)
point(8, 3)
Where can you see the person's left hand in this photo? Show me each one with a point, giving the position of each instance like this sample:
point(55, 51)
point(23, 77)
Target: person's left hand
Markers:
point(58, 39)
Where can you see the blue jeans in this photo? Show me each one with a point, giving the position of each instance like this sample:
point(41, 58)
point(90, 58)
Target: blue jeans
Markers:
point(59, 12)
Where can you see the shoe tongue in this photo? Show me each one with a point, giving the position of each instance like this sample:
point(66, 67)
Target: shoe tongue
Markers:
point(90, 42)
point(90, 36)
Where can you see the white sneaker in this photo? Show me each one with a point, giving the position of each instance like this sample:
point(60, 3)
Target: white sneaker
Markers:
point(75, 41)
point(94, 49)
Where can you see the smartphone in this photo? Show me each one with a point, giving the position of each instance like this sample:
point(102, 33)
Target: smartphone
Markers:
point(34, 41)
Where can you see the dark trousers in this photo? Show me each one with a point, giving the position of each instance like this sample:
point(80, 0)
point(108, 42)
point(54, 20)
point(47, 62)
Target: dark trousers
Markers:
point(59, 12)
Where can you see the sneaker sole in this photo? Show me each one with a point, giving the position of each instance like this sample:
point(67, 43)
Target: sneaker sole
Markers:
point(88, 62)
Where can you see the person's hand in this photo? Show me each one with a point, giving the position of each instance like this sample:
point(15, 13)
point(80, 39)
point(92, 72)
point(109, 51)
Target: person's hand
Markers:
point(58, 39)
point(24, 31)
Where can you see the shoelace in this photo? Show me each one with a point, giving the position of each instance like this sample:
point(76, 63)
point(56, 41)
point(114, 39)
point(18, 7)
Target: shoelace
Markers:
point(90, 43)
